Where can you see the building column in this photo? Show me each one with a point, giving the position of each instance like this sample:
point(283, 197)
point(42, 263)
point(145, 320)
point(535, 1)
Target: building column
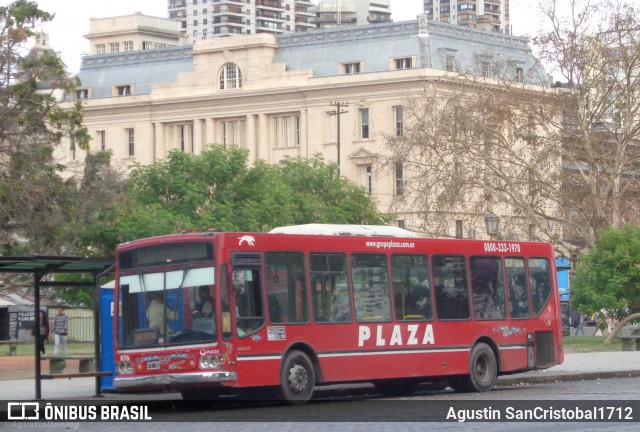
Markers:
point(197, 136)
point(251, 138)
point(159, 151)
point(210, 132)
point(262, 140)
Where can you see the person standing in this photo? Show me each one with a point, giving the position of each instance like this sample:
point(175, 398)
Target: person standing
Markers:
point(580, 325)
point(43, 334)
point(60, 332)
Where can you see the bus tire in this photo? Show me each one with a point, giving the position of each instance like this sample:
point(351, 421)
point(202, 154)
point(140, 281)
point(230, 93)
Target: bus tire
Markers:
point(297, 378)
point(483, 368)
point(483, 371)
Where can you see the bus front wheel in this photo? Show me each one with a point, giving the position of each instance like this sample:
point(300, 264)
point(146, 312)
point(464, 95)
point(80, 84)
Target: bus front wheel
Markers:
point(297, 378)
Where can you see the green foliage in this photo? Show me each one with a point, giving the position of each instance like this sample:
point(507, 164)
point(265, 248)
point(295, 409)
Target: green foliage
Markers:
point(608, 277)
point(33, 216)
point(217, 189)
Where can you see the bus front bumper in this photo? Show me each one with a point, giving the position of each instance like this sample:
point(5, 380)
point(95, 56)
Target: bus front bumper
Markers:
point(173, 379)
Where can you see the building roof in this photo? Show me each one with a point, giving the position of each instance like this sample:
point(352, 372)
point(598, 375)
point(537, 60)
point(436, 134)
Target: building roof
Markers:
point(322, 52)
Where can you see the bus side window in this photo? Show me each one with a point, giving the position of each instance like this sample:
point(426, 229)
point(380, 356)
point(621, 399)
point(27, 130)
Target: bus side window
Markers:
point(371, 287)
point(540, 281)
point(248, 296)
point(518, 291)
point(487, 285)
point(330, 288)
point(286, 287)
point(451, 287)
point(411, 287)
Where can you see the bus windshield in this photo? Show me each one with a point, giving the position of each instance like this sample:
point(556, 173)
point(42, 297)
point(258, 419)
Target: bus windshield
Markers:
point(167, 308)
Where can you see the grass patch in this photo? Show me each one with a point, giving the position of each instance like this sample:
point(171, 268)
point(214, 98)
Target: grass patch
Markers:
point(84, 348)
point(583, 344)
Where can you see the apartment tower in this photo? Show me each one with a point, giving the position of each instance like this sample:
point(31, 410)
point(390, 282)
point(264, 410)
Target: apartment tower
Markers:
point(481, 14)
point(203, 19)
point(338, 13)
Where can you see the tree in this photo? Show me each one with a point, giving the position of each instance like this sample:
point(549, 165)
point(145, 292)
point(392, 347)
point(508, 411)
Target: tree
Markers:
point(607, 280)
point(557, 164)
point(216, 189)
point(32, 124)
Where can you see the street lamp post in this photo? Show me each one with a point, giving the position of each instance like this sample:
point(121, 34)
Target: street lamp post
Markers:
point(491, 224)
point(338, 112)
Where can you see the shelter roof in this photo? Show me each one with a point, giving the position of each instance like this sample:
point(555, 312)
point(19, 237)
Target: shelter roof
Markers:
point(53, 264)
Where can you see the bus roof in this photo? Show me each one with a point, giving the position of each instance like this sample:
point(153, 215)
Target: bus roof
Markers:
point(345, 230)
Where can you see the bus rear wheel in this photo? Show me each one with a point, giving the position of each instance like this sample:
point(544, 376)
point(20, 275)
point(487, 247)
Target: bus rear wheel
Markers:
point(483, 371)
point(297, 378)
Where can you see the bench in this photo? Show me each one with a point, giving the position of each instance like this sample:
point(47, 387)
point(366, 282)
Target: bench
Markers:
point(75, 375)
point(13, 345)
point(58, 363)
point(630, 337)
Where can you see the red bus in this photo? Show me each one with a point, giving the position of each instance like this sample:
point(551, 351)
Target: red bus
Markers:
point(208, 313)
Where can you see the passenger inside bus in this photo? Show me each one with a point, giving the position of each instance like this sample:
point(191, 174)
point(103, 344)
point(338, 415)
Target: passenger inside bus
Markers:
point(156, 312)
point(204, 305)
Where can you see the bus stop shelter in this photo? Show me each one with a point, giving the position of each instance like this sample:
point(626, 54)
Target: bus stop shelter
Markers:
point(44, 266)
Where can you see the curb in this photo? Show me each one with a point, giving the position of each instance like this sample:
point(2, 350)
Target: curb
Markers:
point(551, 378)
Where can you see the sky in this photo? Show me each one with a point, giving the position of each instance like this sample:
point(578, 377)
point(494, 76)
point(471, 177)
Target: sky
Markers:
point(71, 22)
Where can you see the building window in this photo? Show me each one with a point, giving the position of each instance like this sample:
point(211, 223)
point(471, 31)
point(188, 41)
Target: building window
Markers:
point(82, 94)
point(404, 63)
point(286, 131)
point(230, 77)
point(128, 46)
point(519, 74)
point(363, 115)
point(459, 229)
point(100, 49)
point(367, 177)
point(183, 138)
point(102, 139)
point(146, 45)
point(123, 90)
point(400, 223)
point(351, 68)
point(399, 178)
point(195, 23)
point(114, 47)
point(485, 69)
point(399, 120)
point(72, 151)
point(232, 133)
point(449, 63)
point(130, 141)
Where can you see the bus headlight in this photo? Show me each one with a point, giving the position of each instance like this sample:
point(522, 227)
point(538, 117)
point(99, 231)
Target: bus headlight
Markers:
point(124, 368)
point(210, 362)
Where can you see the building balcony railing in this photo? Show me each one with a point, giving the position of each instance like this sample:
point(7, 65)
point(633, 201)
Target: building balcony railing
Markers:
point(275, 4)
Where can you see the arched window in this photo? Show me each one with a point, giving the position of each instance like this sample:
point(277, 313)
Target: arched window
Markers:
point(230, 77)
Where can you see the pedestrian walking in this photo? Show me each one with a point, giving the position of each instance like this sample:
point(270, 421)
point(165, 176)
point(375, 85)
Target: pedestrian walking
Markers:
point(60, 332)
point(580, 325)
point(43, 333)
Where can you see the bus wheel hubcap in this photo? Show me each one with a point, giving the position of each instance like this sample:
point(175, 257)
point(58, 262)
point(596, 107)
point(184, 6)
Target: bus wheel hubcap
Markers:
point(298, 378)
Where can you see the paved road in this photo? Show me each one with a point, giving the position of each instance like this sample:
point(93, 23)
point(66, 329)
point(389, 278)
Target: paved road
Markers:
point(373, 414)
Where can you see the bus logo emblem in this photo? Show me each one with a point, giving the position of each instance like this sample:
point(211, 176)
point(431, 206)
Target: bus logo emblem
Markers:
point(246, 239)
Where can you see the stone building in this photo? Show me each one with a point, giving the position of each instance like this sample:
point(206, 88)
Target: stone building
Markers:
point(276, 95)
